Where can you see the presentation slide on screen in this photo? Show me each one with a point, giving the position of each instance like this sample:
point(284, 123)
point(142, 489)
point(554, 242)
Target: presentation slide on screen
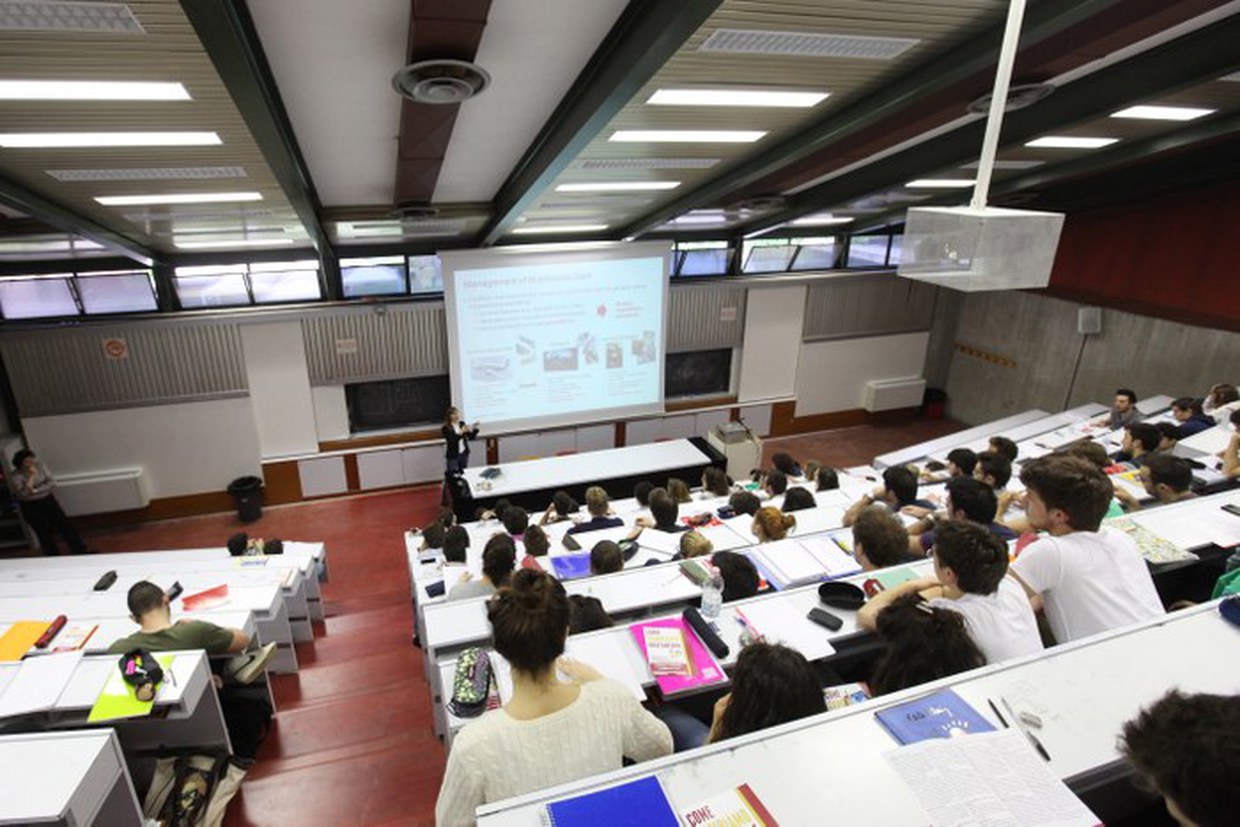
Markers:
point(547, 341)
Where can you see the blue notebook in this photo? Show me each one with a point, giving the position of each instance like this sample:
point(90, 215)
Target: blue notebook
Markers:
point(939, 715)
point(570, 566)
point(640, 803)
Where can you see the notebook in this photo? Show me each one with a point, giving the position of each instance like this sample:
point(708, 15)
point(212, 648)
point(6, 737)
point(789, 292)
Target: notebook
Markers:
point(571, 566)
point(640, 803)
point(706, 670)
point(737, 807)
point(942, 714)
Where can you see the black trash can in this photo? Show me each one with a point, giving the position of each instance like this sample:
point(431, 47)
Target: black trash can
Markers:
point(247, 493)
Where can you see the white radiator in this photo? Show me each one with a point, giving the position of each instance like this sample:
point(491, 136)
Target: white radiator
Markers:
point(99, 492)
point(890, 394)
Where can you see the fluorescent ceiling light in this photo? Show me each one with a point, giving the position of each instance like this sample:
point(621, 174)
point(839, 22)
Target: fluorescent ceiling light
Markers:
point(822, 220)
point(69, 140)
point(558, 228)
point(941, 183)
point(1070, 142)
point(197, 244)
point(177, 198)
point(619, 186)
point(687, 136)
point(736, 97)
point(91, 90)
point(1164, 113)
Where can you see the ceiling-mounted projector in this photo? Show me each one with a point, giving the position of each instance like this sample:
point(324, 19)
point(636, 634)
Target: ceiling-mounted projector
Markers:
point(980, 248)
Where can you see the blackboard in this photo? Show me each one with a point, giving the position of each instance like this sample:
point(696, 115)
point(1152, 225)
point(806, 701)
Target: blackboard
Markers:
point(698, 373)
point(397, 403)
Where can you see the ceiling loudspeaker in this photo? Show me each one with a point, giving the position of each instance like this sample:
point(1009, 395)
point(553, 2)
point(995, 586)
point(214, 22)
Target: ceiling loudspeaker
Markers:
point(1089, 321)
point(980, 248)
point(413, 210)
point(441, 82)
point(1018, 97)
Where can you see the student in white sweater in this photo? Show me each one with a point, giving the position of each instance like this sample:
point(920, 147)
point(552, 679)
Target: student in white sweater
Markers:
point(1087, 578)
point(552, 731)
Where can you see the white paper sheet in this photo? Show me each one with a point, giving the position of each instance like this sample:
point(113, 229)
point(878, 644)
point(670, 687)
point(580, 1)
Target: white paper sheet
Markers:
point(606, 653)
point(780, 622)
point(987, 778)
point(830, 556)
point(789, 562)
point(39, 682)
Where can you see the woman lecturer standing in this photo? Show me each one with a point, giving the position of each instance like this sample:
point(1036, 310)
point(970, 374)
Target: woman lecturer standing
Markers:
point(456, 436)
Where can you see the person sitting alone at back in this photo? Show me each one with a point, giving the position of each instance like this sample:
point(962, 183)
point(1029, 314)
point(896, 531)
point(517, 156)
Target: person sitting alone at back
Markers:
point(1087, 578)
point(880, 539)
point(499, 558)
point(771, 685)
point(561, 730)
point(599, 508)
point(959, 461)
point(1184, 748)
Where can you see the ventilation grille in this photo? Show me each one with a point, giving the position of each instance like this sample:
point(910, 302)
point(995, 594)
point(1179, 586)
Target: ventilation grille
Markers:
point(845, 308)
point(363, 346)
point(648, 163)
point(25, 16)
point(147, 174)
point(695, 318)
point(165, 215)
point(798, 44)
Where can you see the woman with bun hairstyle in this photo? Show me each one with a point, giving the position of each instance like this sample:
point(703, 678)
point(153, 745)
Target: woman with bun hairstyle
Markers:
point(551, 731)
point(772, 524)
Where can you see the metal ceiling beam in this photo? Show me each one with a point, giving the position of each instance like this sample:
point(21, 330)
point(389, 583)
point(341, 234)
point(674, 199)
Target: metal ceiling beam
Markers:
point(22, 199)
point(645, 36)
point(1199, 56)
point(1043, 21)
point(227, 33)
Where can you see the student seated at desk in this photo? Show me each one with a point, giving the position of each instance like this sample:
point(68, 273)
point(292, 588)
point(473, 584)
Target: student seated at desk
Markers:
point(970, 568)
point(599, 508)
point(678, 490)
point(812, 467)
point(1123, 411)
point(771, 685)
point(959, 461)
point(586, 614)
point(1004, 447)
point(797, 498)
point(1231, 454)
point(745, 502)
point(499, 558)
point(664, 513)
point(606, 558)
point(455, 544)
point(551, 731)
point(924, 643)
point(1220, 401)
point(1166, 478)
point(827, 479)
point(880, 539)
point(967, 499)
point(785, 464)
point(515, 520)
point(1187, 412)
point(641, 493)
point(1168, 436)
point(774, 483)
point(536, 546)
point(994, 469)
point(1184, 748)
point(693, 544)
point(715, 483)
point(740, 576)
point(899, 489)
point(1140, 440)
point(562, 507)
point(1087, 578)
point(432, 539)
point(771, 524)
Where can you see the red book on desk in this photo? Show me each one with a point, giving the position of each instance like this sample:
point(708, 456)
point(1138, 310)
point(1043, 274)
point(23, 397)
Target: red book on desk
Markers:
point(205, 600)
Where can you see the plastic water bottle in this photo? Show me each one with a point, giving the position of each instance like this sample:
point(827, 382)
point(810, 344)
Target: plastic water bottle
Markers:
point(712, 594)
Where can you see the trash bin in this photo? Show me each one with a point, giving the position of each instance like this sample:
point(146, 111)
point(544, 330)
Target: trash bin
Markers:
point(934, 403)
point(247, 493)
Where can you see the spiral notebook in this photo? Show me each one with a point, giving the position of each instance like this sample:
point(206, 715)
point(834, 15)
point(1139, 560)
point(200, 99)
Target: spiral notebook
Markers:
point(640, 803)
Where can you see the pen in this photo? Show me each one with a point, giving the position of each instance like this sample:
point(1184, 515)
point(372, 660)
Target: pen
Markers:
point(998, 714)
point(1033, 739)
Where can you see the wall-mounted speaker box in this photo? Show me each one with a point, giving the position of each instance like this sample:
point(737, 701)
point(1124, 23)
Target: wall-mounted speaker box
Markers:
point(1089, 321)
point(990, 248)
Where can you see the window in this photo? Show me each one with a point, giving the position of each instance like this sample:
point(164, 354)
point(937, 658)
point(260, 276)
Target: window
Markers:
point(767, 255)
point(698, 373)
point(425, 274)
point(815, 254)
point(383, 276)
point(893, 258)
point(867, 251)
point(703, 258)
point(75, 294)
point(233, 285)
point(397, 403)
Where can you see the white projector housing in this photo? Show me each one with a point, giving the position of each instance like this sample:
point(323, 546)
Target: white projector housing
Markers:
point(980, 248)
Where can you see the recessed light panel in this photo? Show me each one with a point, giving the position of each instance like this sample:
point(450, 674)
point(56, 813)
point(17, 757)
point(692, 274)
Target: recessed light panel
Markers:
point(147, 174)
point(687, 136)
point(736, 97)
point(822, 220)
point(91, 90)
point(75, 140)
point(1070, 142)
point(196, 244)
point(178, 198)
point(547, 229)
point(941, 183)
point(801, 44)
point(54, 16)
point(618, 186)
point(1164, 113)
point(647, 163)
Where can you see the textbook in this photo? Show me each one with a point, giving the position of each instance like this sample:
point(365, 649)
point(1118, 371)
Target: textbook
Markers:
point(640, 803)
point(942, 714)
point(704, 670)
point(845, 694)
point(667, 652)
point(72, 638)
point(571, 566)
point(204, 600)
point(737, 807)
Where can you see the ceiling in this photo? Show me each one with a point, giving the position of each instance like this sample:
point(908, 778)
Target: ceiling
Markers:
point(328, 156)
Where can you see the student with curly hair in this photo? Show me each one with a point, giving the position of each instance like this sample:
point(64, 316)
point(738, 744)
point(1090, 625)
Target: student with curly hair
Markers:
point(772, 524)
point(924, 643)
point(771, 685)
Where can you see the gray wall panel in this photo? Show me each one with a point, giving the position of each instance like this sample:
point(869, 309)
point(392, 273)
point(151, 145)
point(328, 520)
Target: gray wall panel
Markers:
point(410, 340)
point(696, 313)
point(57, 372)
point(869, 305)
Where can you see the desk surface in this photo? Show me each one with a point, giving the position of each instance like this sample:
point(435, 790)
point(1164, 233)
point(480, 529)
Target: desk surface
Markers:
point(63, 763)
point(833, 763)
point(578, 469)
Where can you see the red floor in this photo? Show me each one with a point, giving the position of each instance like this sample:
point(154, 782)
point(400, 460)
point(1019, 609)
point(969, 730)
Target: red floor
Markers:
point(352, 743)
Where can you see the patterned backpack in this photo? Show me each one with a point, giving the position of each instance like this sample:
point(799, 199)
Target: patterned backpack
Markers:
point(473, 684)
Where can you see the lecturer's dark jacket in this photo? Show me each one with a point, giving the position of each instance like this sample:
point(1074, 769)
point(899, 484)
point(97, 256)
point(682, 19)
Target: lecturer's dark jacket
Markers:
point(456, 442)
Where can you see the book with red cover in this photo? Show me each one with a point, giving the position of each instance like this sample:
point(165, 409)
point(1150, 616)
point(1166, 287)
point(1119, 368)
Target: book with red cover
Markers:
point(204, 600)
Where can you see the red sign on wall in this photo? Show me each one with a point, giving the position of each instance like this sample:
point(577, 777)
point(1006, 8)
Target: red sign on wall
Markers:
point(116, 349)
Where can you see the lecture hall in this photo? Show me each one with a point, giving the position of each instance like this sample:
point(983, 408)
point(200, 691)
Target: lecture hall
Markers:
point(619, 412)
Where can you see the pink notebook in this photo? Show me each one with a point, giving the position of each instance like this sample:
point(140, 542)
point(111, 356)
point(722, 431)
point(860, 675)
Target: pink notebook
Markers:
point(706, 669)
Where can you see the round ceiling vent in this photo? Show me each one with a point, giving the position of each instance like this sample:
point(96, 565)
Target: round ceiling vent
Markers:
point(441, 81)
point(1018, 97)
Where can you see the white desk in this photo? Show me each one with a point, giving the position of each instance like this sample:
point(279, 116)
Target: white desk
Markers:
point(946, 443)
point(1073, 417)
point(833, 763)
point(579, 469)
point(79, 778)
point(114, 628)
point(1194, 523)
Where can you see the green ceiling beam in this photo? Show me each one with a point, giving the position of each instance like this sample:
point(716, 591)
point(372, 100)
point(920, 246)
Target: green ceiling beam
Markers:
point(645, 36)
